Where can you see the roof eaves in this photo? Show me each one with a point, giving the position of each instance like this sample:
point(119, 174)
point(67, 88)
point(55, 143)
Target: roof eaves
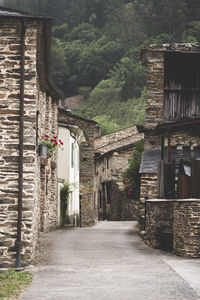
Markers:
point(62, 110)
point(175, 125)
point(8, 12)
point(118, 149)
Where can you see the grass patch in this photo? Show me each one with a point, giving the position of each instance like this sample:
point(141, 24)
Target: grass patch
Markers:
point(12, 282)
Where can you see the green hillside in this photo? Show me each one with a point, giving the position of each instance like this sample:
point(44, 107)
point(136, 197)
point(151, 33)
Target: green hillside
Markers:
point(96, 49)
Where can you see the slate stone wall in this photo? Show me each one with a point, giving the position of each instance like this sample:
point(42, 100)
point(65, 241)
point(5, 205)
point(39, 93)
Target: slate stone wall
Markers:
point(155, 89)
point(148, 188)
point(159, 218)
point(176, 221)
point(187, 228)
point(34, 215)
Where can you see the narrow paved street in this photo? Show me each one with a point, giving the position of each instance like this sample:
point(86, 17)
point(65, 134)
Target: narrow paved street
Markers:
point(107, 261)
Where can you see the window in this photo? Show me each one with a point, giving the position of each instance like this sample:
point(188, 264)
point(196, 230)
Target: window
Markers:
point(107, 162)
point(182, 86)
point(100, 200)
point(108, 188)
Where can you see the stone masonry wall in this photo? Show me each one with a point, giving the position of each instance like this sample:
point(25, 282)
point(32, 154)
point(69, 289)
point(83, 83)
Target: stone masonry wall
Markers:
point(48, 124)
point(180, 218)
point(148, 187)
point(34, 100)
point(187, 228)
point(155, 89)
point(159, 218)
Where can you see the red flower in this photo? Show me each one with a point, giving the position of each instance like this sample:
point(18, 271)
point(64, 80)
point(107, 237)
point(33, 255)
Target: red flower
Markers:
point(46, 135)
point(55, 142)
point(55, 137)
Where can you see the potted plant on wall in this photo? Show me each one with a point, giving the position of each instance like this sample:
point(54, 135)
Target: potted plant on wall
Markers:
point(48, 145)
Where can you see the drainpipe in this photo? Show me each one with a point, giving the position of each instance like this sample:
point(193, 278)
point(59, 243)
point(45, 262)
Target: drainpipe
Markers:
point(21, 144)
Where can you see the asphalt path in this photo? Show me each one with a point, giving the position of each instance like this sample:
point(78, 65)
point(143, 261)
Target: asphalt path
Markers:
point(109, 261)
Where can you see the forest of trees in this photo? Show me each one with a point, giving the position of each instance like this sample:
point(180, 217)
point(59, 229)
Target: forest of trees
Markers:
point(96, 49)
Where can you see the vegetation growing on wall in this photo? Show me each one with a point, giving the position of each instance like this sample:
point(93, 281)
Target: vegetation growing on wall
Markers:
point(131, 177)
point(64, 197)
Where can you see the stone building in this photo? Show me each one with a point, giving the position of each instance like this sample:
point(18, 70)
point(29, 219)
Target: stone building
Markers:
point(88, 130)
point(170, 163)
point(112, 154)
point(28, 110)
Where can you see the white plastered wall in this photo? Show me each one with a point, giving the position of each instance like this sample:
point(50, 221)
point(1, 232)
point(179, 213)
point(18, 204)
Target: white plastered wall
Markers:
point(68, 171)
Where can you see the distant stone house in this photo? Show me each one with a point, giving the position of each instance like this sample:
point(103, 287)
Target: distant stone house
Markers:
point(80, 151)
point(169, 169)
point(28, 110)
point(112, 155)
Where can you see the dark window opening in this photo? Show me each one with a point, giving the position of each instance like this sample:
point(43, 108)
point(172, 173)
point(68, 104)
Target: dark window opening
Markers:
point(107, 162)
point(182, 86)
point(108, 189)
point(100, 200)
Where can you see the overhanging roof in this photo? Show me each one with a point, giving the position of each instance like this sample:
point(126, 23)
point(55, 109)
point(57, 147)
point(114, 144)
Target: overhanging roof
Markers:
point(188, 48)
point(70, 114)
point(7, 12)
point(171, 126)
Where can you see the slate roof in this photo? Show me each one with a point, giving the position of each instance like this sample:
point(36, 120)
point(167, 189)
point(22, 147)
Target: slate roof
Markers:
point(150, 158)
point(69, 113)
point(117, 139)
point(6, 12)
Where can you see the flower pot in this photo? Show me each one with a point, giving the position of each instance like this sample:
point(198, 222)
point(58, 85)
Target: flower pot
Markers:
point(43, 150)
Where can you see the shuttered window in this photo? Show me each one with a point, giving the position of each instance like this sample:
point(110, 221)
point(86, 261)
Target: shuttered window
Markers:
point(182, 86)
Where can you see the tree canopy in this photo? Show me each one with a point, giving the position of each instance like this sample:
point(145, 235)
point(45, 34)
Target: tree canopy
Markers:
point(96, 47)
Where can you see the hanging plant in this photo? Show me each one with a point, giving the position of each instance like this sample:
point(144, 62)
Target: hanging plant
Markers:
point(52, 143)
